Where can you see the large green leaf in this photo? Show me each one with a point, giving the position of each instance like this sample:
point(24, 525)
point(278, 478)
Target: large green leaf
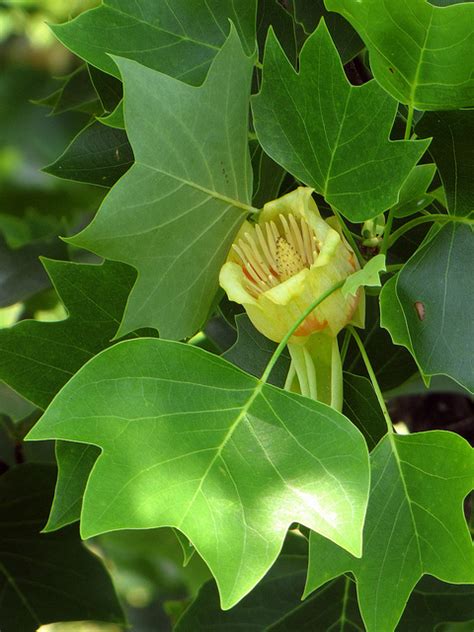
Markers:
point(418, 52)
point(179, 37)
point(429, 318)
point(330, 135)
point(174, 214)
point(192, 442)
point(453, 152)
point(38, 358)
point(99, 155)
point(413, 194)
point(45, 577)
point(415, 525)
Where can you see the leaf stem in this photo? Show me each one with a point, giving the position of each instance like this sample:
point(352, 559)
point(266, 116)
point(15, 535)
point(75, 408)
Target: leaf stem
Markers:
point(345, 345)
point(409, 122)
point(373, 378)
point(386, 233)
point(427, 218)
point(278, 351)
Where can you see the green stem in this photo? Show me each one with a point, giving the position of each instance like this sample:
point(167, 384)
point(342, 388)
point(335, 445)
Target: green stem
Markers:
point(345, 345)
point(388, 227)
point(373, 378)
point(349, 237)
point(427, 218)
point(386, 233)
point(394, 267)
point(409, 122)
point(278, 351)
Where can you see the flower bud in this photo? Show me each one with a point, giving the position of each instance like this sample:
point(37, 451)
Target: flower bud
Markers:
point(280, 265)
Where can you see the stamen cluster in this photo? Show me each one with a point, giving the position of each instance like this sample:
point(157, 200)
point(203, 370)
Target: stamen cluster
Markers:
point(274, 252)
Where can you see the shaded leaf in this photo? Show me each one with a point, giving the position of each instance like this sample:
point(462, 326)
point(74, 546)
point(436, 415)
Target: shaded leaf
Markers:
point(252, 351)
point(267, 176)
point(413, 194)
point(179, 38)
point(362, 408)
point(231, 467)
point(330, 135)
point(76, 94)
point(21, 272)
point(453, 152)
point(37, 358)
point(418, 52)
point(344, 36)
point(289, 32)
point(109, 89)
point(45, 578)
point(75, 461)
point(99, 155)
point(415, 525)
point(175, 213)
point(429, 318)
point(393, 365)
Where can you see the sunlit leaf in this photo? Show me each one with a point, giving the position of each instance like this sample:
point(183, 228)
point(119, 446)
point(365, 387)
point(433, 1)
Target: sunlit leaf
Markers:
point(192, 442)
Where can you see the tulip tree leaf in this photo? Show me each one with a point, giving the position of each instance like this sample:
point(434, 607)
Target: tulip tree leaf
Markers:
point(362, 408)
point(413, 195)
point(453, 152)
point(75, 461)
point(418, 52)
point(45, 578)
point(174, 214)
point(369, 275)
point(38, 358)
point(415, 525)
point(99, 155)
point(433, 314)
point(330, 135)
point(179, 37)
point(190, 441)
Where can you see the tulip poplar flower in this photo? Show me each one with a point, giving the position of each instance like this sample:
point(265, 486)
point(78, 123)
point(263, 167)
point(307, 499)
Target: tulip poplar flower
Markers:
point(276, 268)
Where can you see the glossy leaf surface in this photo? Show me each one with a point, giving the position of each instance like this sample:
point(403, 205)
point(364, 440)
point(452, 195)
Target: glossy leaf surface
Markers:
point(190, 441)
point(330, 135)
point(429, 318)
point(418, 52)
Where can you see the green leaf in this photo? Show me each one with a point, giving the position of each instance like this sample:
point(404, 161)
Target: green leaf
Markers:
point(267, 176)
point(115, 118)
point(191, 442)
point(36, 358)
point(179, 38)
point(289, 32)
point(252, 351)
point(330, 135)
point(76, 94)
point(99, 155)
point(109, 89)
point(413, 195)
point(453, 153)
point(346, 39)
point(45, 578)
point(430, 318)
point(415, 525)
point(75, 461)
point(173, 216)
point(368, 276)
point(362, 408)
point(418, 52)
point(21, 273)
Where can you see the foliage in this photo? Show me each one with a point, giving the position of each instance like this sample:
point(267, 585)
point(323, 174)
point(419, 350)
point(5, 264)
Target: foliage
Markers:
point(174, 422)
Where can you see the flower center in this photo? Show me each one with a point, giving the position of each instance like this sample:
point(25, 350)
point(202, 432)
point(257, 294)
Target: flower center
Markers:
point(272, 253)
